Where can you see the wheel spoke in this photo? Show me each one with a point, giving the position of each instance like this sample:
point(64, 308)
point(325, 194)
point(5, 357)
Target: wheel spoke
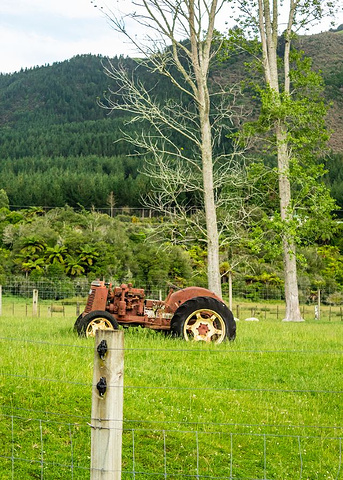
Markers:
point(98, 324)
point(204, 330)
point(204, 325)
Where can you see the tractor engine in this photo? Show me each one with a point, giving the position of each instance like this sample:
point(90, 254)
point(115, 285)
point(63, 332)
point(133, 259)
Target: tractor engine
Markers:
point(127, 301)
point(124, 301)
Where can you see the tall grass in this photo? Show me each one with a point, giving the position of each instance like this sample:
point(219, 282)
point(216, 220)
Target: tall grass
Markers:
point(267, 406)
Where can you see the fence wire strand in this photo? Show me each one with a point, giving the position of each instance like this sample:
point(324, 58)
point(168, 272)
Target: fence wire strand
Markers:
point(195, 351)
point(190, 389)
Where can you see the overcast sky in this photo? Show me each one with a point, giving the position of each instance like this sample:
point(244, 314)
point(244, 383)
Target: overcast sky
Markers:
point(39, 32)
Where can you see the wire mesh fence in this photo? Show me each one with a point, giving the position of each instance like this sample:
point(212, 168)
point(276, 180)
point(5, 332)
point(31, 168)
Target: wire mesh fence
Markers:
point(28, 451)
point(58, 289)
point(242, 310)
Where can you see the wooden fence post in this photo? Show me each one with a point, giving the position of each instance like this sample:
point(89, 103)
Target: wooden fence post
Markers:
point(237, 311)
point(319, 302)
point(35, 302)
point(230, 291)
point(107, 405)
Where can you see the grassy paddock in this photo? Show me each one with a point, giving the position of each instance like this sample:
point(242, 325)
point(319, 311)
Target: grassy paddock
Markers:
point(267, 406)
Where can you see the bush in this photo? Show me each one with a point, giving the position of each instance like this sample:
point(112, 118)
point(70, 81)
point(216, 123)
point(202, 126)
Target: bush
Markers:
point(335, 298)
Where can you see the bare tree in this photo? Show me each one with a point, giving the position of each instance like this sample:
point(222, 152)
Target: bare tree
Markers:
point(111, 203)
point(181, 136)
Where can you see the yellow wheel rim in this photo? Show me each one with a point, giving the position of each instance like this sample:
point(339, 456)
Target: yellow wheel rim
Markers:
point(204, 325)
point(98, 324)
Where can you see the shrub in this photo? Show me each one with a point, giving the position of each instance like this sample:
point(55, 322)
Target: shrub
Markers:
point(335, 298)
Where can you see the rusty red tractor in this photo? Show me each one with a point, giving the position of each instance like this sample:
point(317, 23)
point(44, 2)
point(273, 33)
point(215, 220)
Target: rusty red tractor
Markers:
point(193, 313)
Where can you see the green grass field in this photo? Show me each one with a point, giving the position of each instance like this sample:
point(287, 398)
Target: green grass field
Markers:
point(267, 406)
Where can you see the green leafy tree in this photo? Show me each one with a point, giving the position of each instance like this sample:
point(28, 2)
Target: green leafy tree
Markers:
point(88, 255)
point(38, 265)
point(32, 246)
point(56, 254)
point(4, 202)
point(73, 267)
point(291, 117)
point(333, 263)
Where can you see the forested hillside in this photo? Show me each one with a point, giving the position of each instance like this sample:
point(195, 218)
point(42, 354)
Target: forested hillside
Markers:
point(58, 146)
point(60, 149)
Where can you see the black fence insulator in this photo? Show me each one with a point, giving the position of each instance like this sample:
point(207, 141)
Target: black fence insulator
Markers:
point(101, 386)
point(102, 349)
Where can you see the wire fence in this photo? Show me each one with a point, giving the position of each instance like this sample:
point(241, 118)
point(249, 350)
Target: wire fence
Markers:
point(182, 453)
point(242, 310)
point(58, 289)
point(44, 438)
point(50, 444)
point(195, 451)
point(57, 296)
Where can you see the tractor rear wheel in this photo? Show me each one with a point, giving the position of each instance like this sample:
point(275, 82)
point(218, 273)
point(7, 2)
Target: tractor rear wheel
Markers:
point(203, 319)
point(94, 321)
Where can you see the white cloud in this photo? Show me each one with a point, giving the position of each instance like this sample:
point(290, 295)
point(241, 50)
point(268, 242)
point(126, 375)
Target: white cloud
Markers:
point(27, 49)
point(38, 32)
point(63, 8)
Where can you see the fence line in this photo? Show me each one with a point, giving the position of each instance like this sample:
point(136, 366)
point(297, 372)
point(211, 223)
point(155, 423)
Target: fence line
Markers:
point(233, 349)
point(240, 311)
point(168, 388)
point(152, 423)
point(57, 289)
point(166, 439)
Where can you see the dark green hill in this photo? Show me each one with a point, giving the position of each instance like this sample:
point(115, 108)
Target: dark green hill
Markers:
point(53, 111)
point(57, 94)
point(60, 93)
point(58, 146)
point(326, 51)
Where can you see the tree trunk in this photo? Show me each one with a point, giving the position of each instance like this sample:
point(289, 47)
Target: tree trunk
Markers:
point(213, 271)
point(196, 20)
point(289, 255)
point(291, 285)
point(200, 53)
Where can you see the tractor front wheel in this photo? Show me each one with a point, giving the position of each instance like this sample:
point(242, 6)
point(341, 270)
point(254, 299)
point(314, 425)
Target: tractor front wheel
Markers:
point(93, 321)
point(77, 323)
point(203, 319)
